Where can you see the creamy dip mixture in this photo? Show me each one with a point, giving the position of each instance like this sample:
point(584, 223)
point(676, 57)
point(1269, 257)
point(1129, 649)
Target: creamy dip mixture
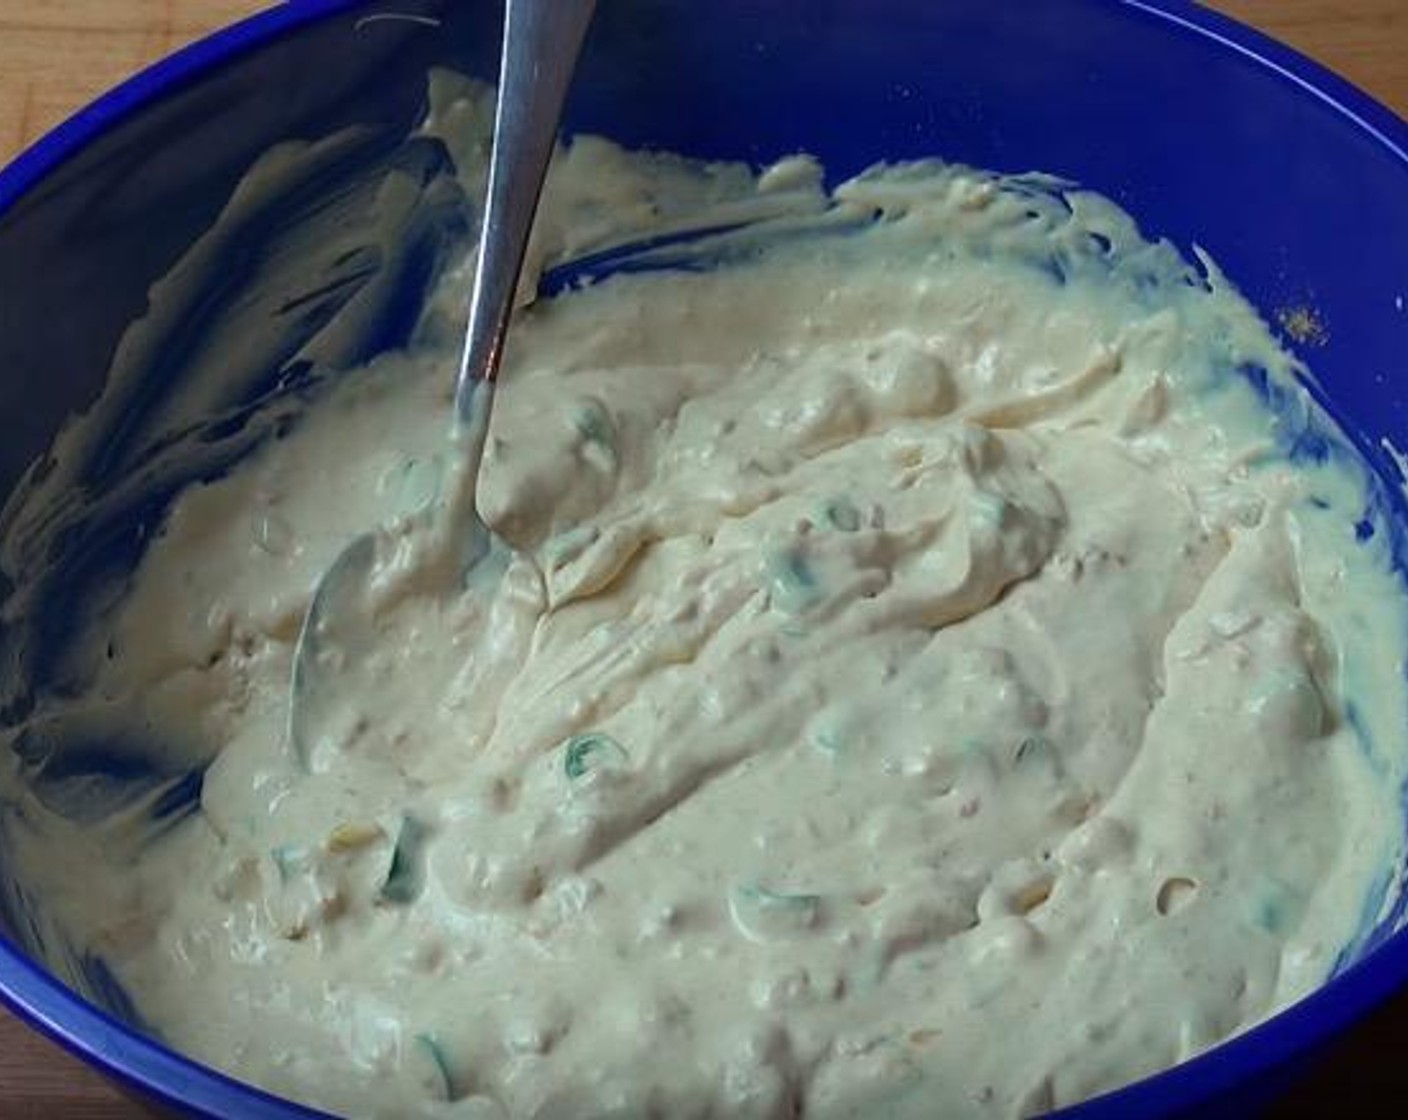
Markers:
point(915, 679)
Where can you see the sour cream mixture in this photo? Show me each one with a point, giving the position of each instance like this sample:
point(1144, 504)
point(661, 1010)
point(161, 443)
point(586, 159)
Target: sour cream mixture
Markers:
point(916, 678)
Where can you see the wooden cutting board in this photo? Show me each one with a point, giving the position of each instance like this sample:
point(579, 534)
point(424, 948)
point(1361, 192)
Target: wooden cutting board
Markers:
point(55, 55)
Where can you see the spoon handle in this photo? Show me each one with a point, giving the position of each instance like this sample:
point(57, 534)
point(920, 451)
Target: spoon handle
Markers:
point(542, 39)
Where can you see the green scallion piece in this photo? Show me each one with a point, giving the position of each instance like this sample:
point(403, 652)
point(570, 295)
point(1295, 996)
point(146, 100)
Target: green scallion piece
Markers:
point(433, 1066)
point(404, 876)
point(767, 915)
point(590, 751)
point(841, 514)
point(794, 583)
point(593, 424)
point(287, 860)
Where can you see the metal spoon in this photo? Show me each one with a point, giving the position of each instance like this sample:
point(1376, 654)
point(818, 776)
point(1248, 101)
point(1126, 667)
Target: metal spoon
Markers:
point(541, 42)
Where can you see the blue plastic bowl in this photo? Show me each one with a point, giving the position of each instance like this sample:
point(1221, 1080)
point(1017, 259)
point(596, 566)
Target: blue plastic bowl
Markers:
point(1204, 130)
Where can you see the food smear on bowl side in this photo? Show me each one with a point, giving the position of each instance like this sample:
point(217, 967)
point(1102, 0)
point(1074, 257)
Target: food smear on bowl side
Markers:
point(928, 675)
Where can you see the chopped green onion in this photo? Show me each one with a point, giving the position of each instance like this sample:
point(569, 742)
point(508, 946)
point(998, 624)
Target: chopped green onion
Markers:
point(841, 514)
point(1038, 755)
point(590, 751)
point(991, 508)
point(794, 583)
point(766, 915)
point(403, 877)
point(1034, 748)
point(593, 424)
point(1276, 908)
point(825, 736)
point(433, 1066)
point(287, 859)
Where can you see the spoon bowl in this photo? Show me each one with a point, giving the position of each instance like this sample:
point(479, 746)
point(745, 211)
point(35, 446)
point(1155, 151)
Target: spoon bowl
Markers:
point(541, 42)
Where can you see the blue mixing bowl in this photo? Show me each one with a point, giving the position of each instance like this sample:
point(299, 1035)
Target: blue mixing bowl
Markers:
point(1207, 132)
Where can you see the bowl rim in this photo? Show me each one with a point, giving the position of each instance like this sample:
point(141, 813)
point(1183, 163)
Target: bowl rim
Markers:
point(157, 1073)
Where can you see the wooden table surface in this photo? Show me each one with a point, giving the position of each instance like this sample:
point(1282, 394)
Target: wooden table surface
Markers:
point(57, 54)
